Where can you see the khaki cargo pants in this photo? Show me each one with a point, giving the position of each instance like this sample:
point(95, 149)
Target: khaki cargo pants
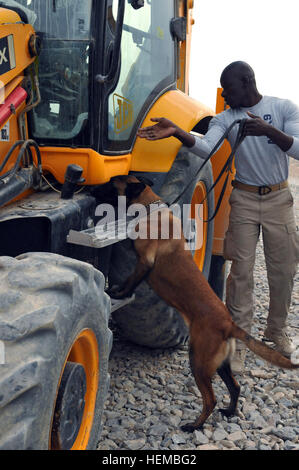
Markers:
point(272, 214)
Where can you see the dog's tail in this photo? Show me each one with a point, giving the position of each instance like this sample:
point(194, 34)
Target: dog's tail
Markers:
point(264, 351)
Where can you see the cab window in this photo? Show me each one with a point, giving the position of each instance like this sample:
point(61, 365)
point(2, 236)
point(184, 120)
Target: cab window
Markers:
point(62, 67)
point(147, 67)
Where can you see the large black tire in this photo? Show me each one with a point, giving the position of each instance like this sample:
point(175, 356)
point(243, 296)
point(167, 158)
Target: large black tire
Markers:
point(149, 321)
point(53, 310)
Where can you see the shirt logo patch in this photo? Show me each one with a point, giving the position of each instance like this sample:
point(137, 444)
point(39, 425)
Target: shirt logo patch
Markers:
point(268, 119)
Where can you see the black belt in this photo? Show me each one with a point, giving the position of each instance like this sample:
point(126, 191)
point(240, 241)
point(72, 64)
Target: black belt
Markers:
point(261, 190)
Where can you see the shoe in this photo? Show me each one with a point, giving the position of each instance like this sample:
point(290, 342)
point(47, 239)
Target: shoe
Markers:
point(238, 361)
point(282, 342)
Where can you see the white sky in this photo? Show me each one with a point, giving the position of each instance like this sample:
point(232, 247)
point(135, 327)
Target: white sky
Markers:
point(264, 33)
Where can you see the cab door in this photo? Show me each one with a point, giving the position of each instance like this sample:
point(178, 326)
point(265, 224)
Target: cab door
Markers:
point(146, 69)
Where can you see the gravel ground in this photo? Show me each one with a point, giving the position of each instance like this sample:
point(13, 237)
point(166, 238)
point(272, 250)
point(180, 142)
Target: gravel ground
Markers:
point(153, 393)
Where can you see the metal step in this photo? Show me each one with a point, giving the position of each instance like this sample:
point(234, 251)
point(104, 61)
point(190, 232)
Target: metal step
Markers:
point(103, 234)
point(107, 233)
point(100, 236)
point(118, 303)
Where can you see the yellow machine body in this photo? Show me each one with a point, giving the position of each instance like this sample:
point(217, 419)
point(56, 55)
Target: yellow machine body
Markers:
point(145, 156)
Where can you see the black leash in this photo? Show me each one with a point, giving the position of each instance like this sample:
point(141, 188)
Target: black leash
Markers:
point(227, 167)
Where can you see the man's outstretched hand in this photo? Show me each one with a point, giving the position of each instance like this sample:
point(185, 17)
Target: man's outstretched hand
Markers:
point(163, 129)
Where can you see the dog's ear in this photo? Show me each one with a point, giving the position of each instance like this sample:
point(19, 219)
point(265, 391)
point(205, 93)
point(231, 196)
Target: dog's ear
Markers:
point(145, 180)
point(105, 193)
point(134, 189)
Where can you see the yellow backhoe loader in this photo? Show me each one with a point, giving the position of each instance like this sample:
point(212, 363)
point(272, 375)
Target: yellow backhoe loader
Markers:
point(78, 78)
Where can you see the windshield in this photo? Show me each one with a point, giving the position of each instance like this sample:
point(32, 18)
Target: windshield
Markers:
point(69, 97)
point(147, 64)
point(60, 19)
point(63, 66)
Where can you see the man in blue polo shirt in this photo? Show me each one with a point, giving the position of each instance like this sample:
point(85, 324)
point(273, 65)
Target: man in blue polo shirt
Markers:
point(260, 201)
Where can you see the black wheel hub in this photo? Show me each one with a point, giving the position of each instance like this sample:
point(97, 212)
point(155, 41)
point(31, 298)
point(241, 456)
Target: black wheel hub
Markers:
point(69, 407)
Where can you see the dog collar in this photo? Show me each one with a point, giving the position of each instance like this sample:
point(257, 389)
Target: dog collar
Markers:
point(155, 205)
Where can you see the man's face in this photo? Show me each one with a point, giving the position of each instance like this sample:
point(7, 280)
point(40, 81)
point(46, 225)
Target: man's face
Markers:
point(233, 91)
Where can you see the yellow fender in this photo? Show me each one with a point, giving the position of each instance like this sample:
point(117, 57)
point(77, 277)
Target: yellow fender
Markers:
point(146, 155)
point(183, 111)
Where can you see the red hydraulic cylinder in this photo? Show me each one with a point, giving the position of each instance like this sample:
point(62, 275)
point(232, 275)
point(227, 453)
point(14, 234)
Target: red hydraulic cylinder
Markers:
point(13, 101)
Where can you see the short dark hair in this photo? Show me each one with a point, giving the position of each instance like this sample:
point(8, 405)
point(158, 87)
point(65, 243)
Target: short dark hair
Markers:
point(240, 69)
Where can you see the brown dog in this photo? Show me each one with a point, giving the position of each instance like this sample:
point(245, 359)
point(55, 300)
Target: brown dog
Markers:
point(169, 269)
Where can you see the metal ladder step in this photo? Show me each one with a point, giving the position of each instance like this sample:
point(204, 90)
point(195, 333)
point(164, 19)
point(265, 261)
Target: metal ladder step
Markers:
point(100, 236)
point(107, 233)
point(118, 303)
point(103, 234)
